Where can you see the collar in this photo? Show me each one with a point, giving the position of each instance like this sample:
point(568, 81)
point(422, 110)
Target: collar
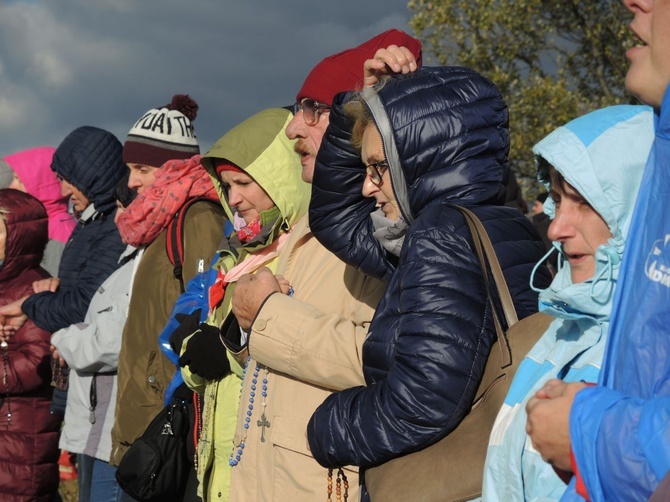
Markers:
point(88, 214)
point(128, 253)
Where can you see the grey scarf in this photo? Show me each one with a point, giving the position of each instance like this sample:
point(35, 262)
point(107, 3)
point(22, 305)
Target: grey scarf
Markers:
point(389, 233)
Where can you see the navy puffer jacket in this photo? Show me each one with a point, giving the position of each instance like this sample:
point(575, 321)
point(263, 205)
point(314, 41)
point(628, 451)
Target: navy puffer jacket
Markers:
point(444, 132)
point(90, 159)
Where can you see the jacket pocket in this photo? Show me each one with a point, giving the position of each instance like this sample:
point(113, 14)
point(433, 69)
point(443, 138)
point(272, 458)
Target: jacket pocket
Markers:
point(154, 372)
point(290, 433)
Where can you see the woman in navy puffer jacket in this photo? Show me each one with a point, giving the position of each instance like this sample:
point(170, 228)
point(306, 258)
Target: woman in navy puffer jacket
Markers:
point(435, 138)
point(88, 159)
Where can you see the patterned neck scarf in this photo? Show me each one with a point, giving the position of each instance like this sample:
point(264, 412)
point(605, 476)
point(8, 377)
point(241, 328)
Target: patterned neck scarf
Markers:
point(155, 207)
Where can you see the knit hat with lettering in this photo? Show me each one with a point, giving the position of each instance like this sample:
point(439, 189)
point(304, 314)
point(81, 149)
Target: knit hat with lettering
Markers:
point(344, 71)
point(163, 134)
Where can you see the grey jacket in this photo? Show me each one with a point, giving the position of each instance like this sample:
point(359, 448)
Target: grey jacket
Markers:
point(92, 348)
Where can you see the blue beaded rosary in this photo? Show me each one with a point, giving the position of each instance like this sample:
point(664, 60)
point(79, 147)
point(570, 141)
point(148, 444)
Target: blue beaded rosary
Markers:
point(235, 457)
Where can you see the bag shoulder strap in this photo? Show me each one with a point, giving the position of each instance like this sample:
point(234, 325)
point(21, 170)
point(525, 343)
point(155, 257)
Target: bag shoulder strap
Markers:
point(174, 242)
point(486, 253)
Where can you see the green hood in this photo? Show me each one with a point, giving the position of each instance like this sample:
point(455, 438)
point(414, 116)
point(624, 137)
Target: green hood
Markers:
point(259, 146)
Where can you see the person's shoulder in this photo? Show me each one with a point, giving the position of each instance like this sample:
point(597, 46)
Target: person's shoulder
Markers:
point(444, 218)
point(202, 209)
point(102, 230)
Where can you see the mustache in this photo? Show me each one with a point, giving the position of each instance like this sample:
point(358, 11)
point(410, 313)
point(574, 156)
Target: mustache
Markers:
point(302, 148)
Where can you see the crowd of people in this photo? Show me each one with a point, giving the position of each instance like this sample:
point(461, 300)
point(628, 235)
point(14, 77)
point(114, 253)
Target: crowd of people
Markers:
point(309, 289)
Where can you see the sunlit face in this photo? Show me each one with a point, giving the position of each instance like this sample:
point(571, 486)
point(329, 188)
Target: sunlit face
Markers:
point(649, 72)
point(245, 195)
point(309, 140)
point(141, 176)
point(3, 238)
point(372, 151)
point(537, 208)
point(78, 199)
point(579, 229)
point(17, 184)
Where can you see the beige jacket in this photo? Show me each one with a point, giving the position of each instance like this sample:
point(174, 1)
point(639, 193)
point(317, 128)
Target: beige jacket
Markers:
point(311, 344)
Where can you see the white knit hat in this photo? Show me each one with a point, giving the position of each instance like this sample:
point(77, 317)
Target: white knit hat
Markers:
point(163, 134)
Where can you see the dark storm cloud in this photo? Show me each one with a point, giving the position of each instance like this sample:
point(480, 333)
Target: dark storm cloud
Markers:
point(74, 62)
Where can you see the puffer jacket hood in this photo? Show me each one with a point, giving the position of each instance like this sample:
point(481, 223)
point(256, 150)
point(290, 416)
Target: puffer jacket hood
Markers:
point(27, 235)
point(602, 155)
point(452, 126)
point(259, 146)
point(90, 159)
point(33, 167)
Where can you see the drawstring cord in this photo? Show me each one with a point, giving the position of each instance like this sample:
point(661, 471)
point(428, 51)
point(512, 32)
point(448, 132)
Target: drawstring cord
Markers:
point(540, 262)
point(612, 258)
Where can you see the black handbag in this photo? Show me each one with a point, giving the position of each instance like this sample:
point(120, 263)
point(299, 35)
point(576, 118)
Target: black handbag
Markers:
point(156, 467)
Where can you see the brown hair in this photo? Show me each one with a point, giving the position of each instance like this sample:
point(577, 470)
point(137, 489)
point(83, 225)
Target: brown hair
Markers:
point(557, 184)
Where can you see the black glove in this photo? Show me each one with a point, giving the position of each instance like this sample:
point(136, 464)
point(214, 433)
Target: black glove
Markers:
point(188, 324)
point(205, 355)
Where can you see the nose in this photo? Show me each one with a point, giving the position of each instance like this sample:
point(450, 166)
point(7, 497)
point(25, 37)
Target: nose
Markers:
point(134, 182)
point(635, 5)
point(295, 128)
point(561, 227)
point(369, 188)
point(65, 188)
point(234, 196)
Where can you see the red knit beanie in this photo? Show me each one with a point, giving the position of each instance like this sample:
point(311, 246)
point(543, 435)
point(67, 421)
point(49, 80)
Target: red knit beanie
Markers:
point(344, 71)
point(225, 165)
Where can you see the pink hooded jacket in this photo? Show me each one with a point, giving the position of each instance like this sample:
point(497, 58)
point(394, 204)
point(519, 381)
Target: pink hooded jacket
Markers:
point(33, 168)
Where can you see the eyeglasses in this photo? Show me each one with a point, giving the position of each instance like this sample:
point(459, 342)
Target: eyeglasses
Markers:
point(311, 108)
point(376, 170)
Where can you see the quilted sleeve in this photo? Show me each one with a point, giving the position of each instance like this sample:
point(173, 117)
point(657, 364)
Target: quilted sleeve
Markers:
point(339, 214)
point(444, 334)
point(54, 311)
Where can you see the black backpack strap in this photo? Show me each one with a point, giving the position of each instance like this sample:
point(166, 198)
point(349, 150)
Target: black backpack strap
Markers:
point(174, 242)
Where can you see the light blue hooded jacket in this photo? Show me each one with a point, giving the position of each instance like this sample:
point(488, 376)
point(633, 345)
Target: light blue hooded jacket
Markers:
point(620, 430)
point(602, 155)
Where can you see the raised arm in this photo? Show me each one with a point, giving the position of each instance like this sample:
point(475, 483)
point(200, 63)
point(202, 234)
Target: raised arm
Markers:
point(339, 214)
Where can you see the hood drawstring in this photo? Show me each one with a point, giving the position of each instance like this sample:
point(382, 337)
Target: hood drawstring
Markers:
point(554, 247)
point(612, 258)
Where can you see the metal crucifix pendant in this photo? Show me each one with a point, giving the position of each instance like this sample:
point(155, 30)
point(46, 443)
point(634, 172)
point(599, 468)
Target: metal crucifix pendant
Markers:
point(263, 422)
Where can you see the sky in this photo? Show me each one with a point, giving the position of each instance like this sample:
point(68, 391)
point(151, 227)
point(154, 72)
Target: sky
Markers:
point(69, 63)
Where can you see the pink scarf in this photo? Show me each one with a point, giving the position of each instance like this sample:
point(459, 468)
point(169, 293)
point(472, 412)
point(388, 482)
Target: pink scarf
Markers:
point(153, 209)
point(250, 264)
